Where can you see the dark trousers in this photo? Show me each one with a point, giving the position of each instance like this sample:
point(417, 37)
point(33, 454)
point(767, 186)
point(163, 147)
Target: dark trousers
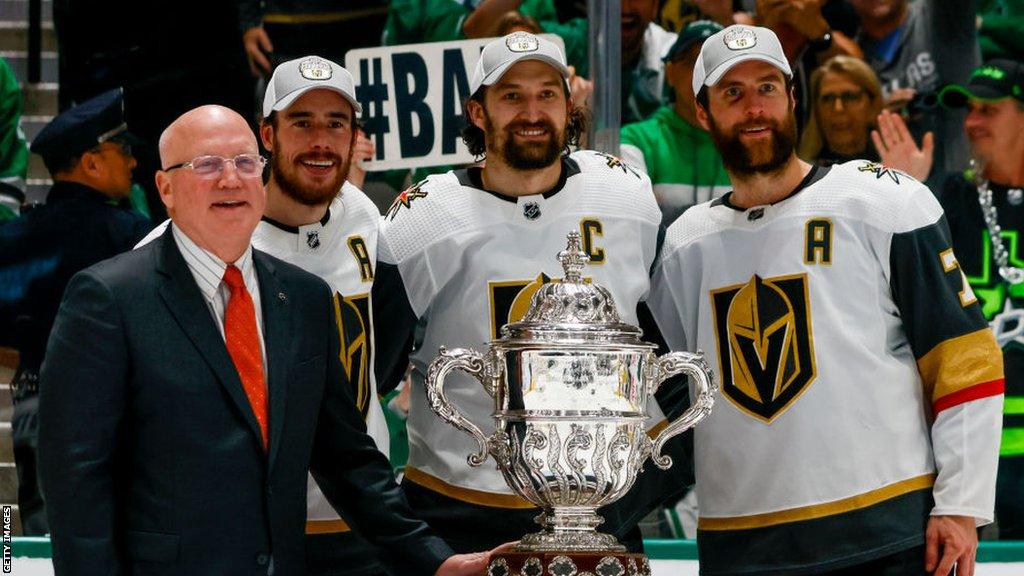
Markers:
point(1010, 498)
point(906, 563)
point(25, 433)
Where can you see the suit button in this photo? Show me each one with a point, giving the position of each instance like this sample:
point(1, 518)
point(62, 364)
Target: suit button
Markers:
point(263, 559)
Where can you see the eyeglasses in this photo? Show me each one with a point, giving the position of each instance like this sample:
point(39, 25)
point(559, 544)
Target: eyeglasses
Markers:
point(247, 165)
point(847, 98)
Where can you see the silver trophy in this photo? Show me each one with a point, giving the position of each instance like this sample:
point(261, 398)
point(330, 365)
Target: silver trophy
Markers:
point(570, 383)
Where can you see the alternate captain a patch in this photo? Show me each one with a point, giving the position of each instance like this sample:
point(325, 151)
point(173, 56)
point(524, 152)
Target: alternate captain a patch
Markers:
point(765, 345)
point(405, 199)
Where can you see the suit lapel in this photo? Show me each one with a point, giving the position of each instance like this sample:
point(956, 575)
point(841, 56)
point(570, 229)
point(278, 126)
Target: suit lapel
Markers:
point(183, 298)
point(277, 322)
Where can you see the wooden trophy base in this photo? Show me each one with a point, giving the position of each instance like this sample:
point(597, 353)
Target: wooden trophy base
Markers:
point(567, 563)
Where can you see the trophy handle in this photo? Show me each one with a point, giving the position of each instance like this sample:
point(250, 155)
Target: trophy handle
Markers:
point(696, 367)
point(474, 364)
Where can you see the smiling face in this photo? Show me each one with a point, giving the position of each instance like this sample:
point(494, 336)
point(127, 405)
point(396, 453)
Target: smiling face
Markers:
point(750, 117)
point(845, 113)
point(996, 130)
point(311, 142)
point(218, 213)
point(524, 116)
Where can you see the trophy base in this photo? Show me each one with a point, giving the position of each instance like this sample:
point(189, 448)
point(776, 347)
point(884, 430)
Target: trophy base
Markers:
point(568, 563)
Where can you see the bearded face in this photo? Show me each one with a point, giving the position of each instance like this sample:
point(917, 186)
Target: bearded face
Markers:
point(757, 146)
point(311, 178)
point(525, 145)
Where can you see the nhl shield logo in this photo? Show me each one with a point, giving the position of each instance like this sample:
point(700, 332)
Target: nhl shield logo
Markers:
point(313, 239)
point(765, 345)
point(531, 210)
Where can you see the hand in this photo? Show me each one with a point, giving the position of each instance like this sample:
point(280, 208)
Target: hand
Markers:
point(363, 149)
point(580, 88)
point(805, 17)
point(718, 10)
point(897, 149)
point(473, 564)
point(899, 98)
point(257, 47)
point(958, 540)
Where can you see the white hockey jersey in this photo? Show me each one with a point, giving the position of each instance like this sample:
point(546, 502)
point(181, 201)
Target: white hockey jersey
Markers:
point(341, 249)
point(469, 262)
point(859, 381)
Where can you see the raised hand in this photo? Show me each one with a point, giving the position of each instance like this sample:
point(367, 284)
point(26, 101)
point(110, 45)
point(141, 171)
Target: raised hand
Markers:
point(897, 149)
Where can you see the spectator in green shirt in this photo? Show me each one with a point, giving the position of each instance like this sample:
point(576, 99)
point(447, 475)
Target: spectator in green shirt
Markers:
point(677, 154)
point(13, 150)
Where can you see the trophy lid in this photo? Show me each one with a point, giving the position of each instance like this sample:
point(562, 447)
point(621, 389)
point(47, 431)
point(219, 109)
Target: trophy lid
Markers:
point(573, 308)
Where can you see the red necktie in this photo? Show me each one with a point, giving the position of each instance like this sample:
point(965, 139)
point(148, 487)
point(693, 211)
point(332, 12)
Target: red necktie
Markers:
point(243, 341)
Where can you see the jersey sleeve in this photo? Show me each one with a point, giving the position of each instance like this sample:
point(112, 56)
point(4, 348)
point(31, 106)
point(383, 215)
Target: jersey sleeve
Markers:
point(960, 363)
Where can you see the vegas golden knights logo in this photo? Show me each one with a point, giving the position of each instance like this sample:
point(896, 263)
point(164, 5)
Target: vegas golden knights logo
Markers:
point(510, 300)
point(765, 345)
point(353, 317)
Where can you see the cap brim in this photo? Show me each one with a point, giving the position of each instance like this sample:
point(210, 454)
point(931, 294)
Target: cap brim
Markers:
point(724, 67)
point(498, 72)
point(956, 96)
point(128, 138)
point(288, 100)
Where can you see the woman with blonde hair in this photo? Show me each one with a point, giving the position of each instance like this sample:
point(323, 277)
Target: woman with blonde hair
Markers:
point(845, 99)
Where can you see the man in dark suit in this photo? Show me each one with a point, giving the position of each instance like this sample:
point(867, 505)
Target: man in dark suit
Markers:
point(189, 385)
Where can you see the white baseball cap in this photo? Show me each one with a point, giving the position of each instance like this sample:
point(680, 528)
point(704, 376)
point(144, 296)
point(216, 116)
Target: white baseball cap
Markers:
point(294, 78)
point(733, 45)
point(499, 55)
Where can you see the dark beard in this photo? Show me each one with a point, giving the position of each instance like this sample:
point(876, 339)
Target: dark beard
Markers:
point(528, 156)
point(286, 177)
point(737, 156)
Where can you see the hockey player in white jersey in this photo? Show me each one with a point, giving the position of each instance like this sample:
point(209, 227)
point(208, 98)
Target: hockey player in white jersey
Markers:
point(463, 252)
point(859, 430)
point(309, 127)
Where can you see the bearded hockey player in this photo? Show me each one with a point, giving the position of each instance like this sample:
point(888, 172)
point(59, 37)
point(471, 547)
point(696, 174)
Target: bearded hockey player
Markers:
point(309, 127)
point(463, 252)
point(859, 429)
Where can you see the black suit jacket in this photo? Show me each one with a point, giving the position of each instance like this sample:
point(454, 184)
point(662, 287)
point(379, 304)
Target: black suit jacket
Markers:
point(150, 455)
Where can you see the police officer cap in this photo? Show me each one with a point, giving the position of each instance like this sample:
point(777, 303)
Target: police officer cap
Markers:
point(83, 127)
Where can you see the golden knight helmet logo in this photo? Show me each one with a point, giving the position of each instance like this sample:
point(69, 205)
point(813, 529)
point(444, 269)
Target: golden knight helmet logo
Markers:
point(765, 346)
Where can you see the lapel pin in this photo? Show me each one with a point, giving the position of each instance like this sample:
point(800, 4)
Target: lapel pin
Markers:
point(281, 296)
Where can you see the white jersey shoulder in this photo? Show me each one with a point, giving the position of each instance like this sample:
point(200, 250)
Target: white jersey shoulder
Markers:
point(883, 198)
point(612, 185)
point(425, 213)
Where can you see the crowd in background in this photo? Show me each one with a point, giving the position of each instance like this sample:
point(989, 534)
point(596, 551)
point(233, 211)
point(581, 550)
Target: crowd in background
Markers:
point(868, 74)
